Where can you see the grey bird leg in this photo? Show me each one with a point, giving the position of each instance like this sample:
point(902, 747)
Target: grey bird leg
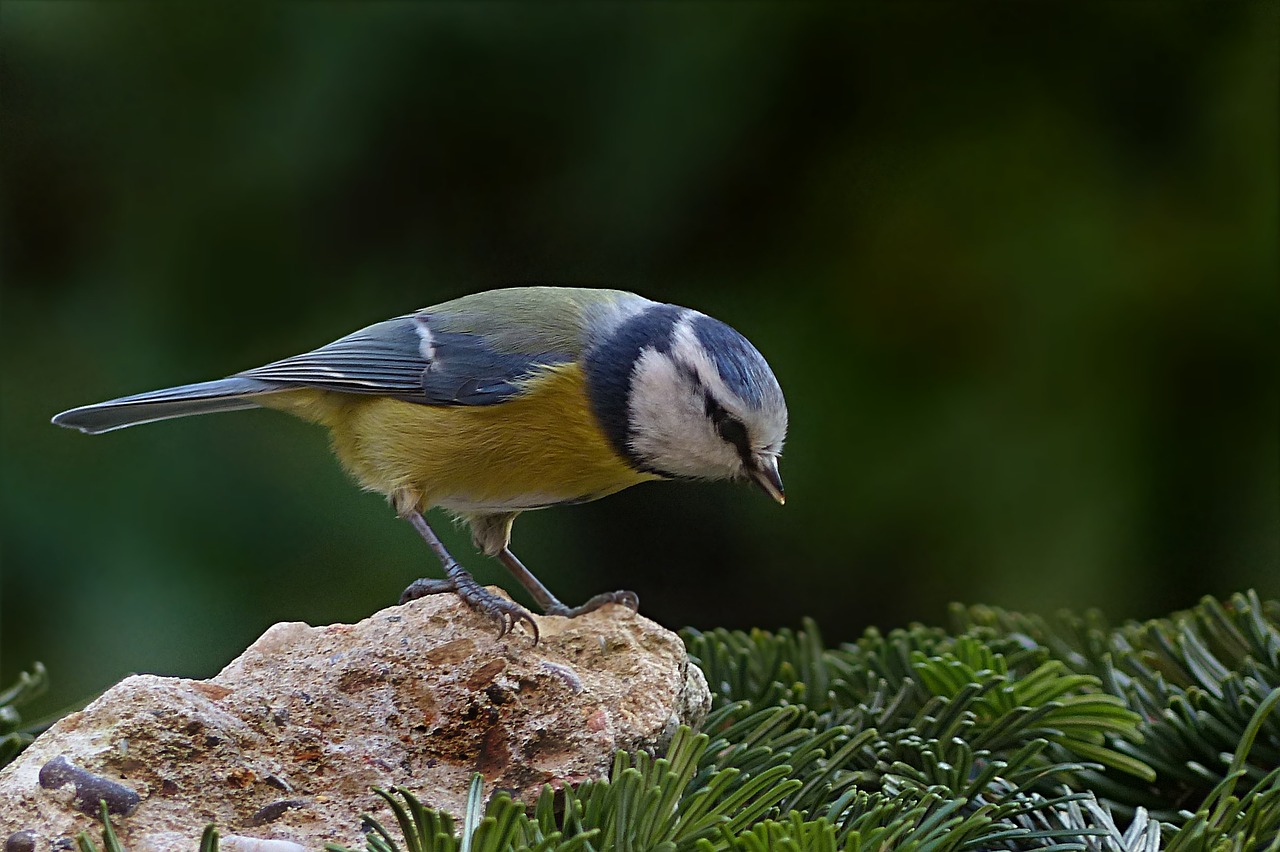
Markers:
point(550, 603)
point(474, 595)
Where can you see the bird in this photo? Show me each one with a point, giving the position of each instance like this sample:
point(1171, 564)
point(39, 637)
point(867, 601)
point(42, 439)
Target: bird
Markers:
point(509, 400)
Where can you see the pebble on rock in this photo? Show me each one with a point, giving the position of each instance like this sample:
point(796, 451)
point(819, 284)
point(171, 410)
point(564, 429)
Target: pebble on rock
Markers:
point(21, 841)
point(90, 789)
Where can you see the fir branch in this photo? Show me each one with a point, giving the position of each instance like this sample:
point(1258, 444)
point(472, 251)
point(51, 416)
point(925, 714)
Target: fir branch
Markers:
point(14, 737)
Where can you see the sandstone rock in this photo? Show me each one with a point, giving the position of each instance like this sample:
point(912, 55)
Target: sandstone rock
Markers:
point(286, 742)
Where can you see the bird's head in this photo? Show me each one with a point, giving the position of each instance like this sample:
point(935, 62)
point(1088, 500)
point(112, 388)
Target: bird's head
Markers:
point(685, 396)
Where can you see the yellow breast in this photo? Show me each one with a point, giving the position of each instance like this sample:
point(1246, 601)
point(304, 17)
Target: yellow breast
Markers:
point(536, 449)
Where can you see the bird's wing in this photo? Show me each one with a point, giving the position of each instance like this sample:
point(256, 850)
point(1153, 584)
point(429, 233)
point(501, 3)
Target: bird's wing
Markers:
point(416, 358)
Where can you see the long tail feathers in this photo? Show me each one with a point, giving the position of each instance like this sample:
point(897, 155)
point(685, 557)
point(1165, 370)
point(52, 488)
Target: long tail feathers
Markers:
point(203, 398)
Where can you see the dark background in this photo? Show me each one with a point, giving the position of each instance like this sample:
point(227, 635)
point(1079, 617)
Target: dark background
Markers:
point(1014, 265)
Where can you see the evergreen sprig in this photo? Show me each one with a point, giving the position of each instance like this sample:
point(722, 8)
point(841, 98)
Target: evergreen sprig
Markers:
point(1197, 680)
point(28, 687)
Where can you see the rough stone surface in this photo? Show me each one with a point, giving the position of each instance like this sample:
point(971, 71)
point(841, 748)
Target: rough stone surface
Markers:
point(286, 742)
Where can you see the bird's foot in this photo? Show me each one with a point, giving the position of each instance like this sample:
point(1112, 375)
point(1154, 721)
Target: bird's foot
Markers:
point(506, 613)
point(628, 599)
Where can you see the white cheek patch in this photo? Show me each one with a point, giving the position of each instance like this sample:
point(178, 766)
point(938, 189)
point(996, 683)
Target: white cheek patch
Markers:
point(669, 424)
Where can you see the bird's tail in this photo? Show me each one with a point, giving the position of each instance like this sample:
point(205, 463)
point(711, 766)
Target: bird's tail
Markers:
point(203, 398)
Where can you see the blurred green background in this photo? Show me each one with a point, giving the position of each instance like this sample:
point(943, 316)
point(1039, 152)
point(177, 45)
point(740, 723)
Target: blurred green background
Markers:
point(1014, 264)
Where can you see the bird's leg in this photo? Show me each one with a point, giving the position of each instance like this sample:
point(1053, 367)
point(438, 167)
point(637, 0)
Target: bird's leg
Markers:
point(550, 603)
point(459, 581)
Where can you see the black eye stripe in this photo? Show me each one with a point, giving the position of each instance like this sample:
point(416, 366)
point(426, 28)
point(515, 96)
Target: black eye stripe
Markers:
point(688, 373)
point(729, 428)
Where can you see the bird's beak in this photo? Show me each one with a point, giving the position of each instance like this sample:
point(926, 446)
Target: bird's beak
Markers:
point(765, 474)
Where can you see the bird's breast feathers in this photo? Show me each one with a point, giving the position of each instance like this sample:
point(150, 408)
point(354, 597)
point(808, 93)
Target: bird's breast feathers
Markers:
point(540, 447)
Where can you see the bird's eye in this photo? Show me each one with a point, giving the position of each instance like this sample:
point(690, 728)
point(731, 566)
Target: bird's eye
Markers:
point(729, 428)
point(732, 430)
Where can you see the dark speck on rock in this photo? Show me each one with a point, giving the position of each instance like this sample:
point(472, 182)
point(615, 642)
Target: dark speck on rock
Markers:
point(564, 673)
point(90, 788)
point(275, 810)
point(278, 783)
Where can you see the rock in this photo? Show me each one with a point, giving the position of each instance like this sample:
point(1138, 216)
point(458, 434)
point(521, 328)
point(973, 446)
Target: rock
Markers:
point(286, 742)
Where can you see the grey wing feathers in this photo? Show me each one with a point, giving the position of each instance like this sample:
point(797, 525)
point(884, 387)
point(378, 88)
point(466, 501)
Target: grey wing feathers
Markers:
point(408, 358)
point(403, 358)
point(203, 398)
point(466, 371)
point(383, 359)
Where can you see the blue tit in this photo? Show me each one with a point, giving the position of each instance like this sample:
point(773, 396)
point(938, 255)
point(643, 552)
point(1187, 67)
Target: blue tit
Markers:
point(510, 400)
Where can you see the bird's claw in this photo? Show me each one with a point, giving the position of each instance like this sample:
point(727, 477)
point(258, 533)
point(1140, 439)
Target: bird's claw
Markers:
point(507, 614)
point(628, 599)
point(503, 611)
